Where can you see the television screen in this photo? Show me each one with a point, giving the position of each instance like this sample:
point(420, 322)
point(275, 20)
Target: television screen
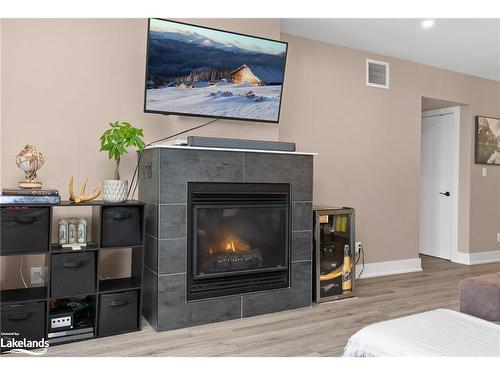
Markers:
point(198, 71)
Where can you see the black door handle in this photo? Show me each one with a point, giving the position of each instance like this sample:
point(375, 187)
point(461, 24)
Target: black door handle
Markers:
point(446, 193)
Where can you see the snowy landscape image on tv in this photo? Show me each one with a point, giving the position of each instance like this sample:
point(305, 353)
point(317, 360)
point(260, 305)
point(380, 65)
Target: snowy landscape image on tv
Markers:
point(199, 71)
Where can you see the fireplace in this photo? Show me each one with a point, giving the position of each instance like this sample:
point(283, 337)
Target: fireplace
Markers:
point(269, 271)
point(238, 238)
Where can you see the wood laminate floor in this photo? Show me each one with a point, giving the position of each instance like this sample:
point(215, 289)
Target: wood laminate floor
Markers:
point(320, 330)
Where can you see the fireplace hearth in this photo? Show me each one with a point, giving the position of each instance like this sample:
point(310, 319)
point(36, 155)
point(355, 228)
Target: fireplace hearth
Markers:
point(238, 238)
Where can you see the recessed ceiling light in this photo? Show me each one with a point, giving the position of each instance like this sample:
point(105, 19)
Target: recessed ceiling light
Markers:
point(427, 24)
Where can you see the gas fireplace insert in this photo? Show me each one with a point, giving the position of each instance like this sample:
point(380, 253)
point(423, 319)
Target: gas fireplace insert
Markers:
point(238, 238)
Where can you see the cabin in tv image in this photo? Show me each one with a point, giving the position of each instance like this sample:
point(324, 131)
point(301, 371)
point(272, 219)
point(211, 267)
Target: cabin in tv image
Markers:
point(194, 70)
point(257, 75)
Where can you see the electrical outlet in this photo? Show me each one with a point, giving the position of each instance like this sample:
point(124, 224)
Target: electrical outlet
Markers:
point(37, 277)
point(498, 237)
point(357, 247)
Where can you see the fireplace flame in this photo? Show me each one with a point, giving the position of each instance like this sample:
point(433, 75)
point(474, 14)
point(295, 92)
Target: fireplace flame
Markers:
point(231, 252)
point(229, 244)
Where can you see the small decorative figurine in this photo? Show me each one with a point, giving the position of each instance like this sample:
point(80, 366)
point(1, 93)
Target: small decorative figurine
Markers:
point(82, 197)
point(73, 232)
point(72, 229)
point(82, 232)
point(30, 161)
point(63, 232)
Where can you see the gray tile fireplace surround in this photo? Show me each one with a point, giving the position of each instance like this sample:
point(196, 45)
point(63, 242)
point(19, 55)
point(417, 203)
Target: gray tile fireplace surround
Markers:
point(163, 177)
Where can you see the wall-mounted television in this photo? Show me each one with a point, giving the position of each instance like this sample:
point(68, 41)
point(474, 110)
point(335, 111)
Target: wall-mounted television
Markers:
point(199, 71)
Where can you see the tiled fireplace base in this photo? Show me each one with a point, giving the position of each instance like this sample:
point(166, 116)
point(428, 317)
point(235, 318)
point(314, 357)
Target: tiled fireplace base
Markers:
point(164, 174)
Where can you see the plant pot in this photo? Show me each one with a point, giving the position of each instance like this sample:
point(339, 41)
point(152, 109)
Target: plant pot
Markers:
point(114, 191)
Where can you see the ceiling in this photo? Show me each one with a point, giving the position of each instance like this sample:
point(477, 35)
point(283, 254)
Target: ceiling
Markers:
point(470, 46)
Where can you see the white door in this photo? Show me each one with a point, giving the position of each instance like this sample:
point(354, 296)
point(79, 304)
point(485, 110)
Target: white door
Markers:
point(436, 181)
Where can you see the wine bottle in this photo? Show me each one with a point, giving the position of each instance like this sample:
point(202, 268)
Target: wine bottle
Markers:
point(346, 270)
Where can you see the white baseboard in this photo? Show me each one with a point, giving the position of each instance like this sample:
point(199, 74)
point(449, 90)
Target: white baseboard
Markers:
point(389, 268)
point(476, 258)
point(484, 257)
point(461, 258)
point(395, 267)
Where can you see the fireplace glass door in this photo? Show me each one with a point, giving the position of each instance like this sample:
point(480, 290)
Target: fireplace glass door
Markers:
point(240, 240)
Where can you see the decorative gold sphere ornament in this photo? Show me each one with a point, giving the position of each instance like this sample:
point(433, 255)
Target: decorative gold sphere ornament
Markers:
point(30, 160)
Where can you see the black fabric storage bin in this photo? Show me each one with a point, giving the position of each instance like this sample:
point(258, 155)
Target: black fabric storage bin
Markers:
point(27, 319)
point(73, 274)
point(118, 312)
point(24, 229)
point(121, 226)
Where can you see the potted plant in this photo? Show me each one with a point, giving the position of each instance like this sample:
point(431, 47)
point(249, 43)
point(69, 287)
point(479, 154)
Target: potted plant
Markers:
point(116, 141)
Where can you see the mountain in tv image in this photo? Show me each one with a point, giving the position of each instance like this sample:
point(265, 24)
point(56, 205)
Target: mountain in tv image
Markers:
point(199, 71)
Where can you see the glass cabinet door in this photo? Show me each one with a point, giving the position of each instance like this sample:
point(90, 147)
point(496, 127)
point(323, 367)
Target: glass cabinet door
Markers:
point(335, 262)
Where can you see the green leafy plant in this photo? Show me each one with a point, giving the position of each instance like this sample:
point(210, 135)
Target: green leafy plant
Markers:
point(118, 139)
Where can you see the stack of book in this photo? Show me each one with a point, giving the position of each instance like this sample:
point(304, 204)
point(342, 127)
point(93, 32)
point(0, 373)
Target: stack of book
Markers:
point(30, 196)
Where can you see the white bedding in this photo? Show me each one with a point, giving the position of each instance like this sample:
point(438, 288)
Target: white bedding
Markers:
point(433, 333)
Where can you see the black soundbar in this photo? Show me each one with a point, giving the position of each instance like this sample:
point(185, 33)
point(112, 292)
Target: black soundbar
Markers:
point(248, 144)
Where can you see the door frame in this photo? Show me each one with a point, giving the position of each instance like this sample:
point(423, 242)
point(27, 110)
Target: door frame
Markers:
point(455, 255)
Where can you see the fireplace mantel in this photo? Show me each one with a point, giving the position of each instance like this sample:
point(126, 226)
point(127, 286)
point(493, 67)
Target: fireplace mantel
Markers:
point(178, 147)
point(165, 171)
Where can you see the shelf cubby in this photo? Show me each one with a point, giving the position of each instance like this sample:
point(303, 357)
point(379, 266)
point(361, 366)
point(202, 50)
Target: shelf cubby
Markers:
point(25, 229)
point(127, 278)
point(121, 225)
point(84, 319)
point(17, 288)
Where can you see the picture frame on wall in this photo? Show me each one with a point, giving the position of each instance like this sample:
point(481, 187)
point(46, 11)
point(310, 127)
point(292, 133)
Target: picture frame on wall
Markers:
point(487, 140)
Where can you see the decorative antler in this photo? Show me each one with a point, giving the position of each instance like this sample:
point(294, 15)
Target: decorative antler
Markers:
point(82, 197)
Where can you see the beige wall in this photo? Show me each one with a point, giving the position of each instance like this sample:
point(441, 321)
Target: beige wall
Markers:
point(62, 81)
point(368, 141)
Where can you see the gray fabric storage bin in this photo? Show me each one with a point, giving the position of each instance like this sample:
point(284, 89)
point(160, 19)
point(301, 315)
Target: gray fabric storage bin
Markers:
point(26, 319)
point(73, 274)
point(118, 312)
point(121, 226)
point(24, 229)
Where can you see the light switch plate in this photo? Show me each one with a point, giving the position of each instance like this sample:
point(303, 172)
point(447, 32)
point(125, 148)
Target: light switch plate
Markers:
point(484, 171)
point(498, 237)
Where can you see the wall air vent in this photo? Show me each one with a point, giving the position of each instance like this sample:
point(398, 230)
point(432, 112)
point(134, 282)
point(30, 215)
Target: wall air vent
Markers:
point(377, 74)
